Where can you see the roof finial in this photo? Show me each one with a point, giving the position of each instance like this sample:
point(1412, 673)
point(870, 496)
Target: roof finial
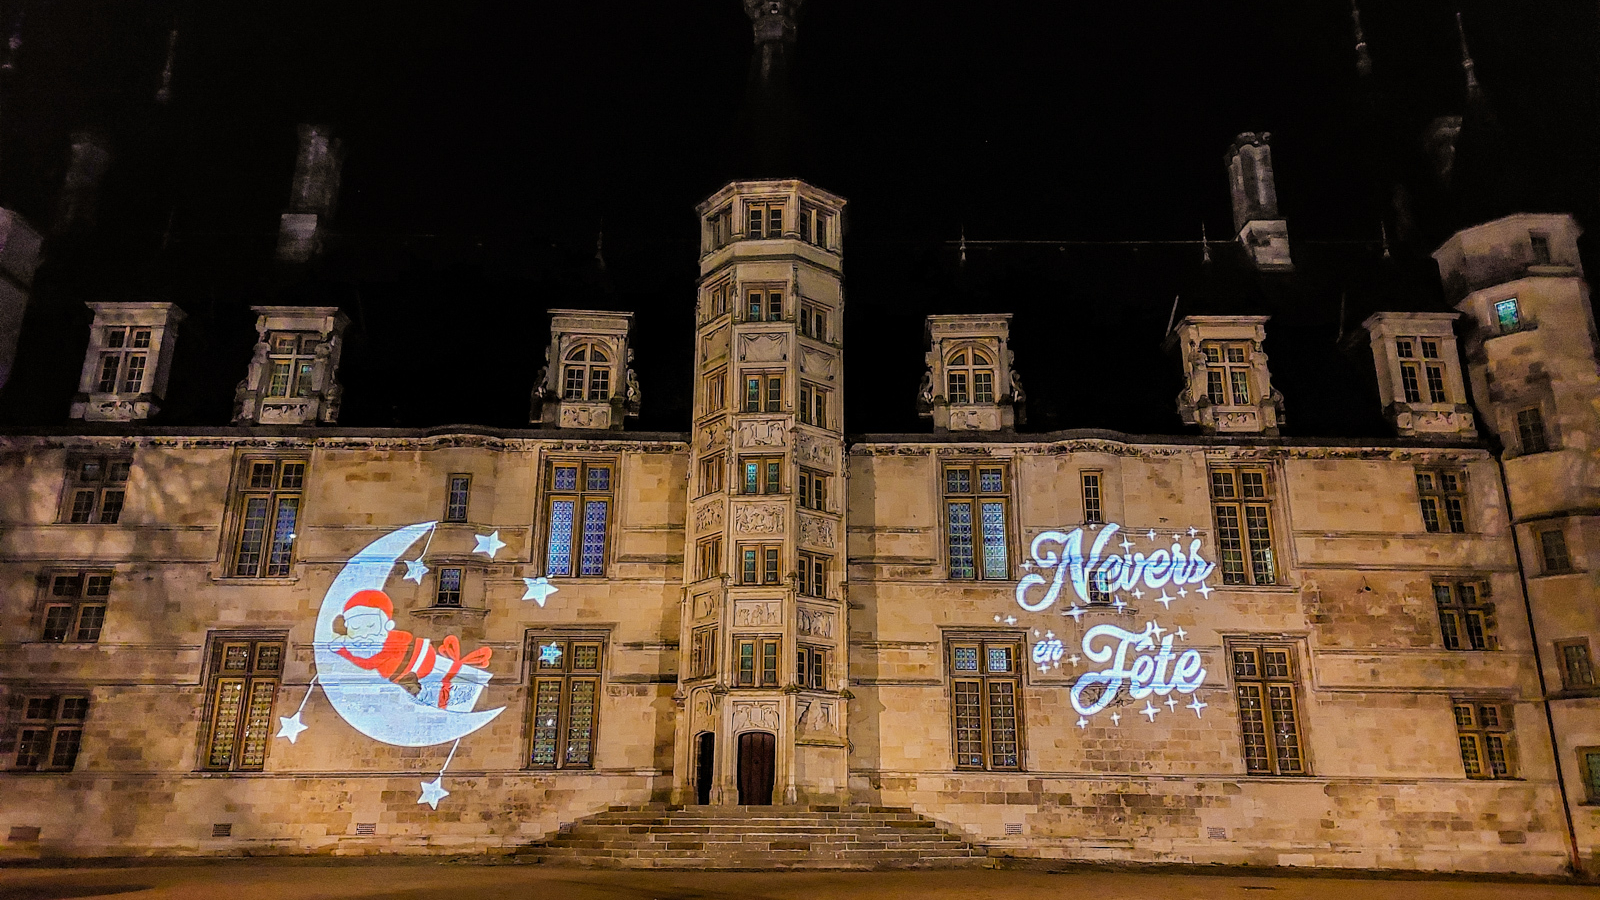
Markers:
point(963, 244)
point(165, 93)
point(1363, 59)
point(600, 245)
point(1466, 57)
point(1383, 232)
point(1205, 245)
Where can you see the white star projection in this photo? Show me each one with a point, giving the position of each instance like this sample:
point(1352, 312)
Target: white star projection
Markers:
point(414, 570)
point(538, 589)
point(291, 726)
point(488, 544)
point(432, 792)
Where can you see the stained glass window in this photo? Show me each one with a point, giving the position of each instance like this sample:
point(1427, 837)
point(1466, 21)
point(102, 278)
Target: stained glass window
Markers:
point(566, 697)
point(244, 685)
point(1484, 735)
point(560, 556)
point(268, 515)
point(577, 520)
point(1242, 508)
point(986, 717)
point(969, 529)
point(1269, 728)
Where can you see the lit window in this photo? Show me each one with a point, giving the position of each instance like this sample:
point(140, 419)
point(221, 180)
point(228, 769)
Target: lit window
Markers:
point(1483, 730)
point(587, 374)
point(244, 682)
point(455, 504)
point(1443, 497)
point(1241, 501)
point(813, 574)
point(49, 729)
point(761, 475)
point(763, 219)
point(1265, 685)
point(975, 498)
point(1091, 497)
point(756, 662)
point(764, 304)
point(763, 393)
point(449, 593)
point(268, 509)
point(566, 702)
point(75, 609)
point(811, 668)
point(291, 362)
point(969, 377)
point(1577, 670)
point(1553, 552)
point(1466, 619)
point(1530, 430)
point(577, 512)
point(123, 362)
point(986, 703)
point(1227, 372)
point(759, 563)
point(1508, 314)
point(703, 652)
point(97, 487)
point(708, 555)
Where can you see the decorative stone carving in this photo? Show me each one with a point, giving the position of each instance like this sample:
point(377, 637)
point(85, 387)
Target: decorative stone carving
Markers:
point(757, 613)
point(770, 347)
point(817, 717)
point(714, 434)
point(762, 433)
point(704, 605)
point(708, 517)
point(292, 378)
point(816, 451)
point(817, 532)
point(749, 714)
point(585, 415)
point(763, 519)
point(816, 364)
point(706, 702)
point(716, 345)
point(814, 622)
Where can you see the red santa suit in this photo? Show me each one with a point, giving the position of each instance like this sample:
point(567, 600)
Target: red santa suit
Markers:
point(404, 654)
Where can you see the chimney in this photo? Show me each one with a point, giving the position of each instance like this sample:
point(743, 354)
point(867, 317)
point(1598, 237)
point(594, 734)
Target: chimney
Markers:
point(80, 193)
point(1259, 228)
point(313, 195)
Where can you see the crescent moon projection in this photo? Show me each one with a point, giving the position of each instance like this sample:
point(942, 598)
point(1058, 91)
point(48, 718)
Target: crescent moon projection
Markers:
point(375, 706)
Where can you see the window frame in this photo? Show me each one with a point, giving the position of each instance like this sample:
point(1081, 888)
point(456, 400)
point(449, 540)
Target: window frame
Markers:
point(1091, 486)
point(768, 569)
point(455, 511)
point(811, 667)
point(1258, 561)
point(122, 351)
point(581, 496)
point(443, 596)
point(812, 571)
point(275, 492)
point(966, 371)
point(765, 302)
point(299, 362)
point(1533, 436)
point(1278, 759)
point(1228, 372)
point(1460, 609)
point(813, 406)
point(983, 679)
point(769, 392)
point(580, 359)
point(92, 594)
point(567, 676)
point(1579, 678)
point(1437, 496)
point(715, 385)
point(763, 648)
point(106, 495)
point(812, 488)
point(708, 557)
point(59, 729)
point(703, 652)
point(814, 320)
point(1589, 765)
point(975, 498)
point(244, 717)
point(1507, 324)
point(769, 472)
point(1551, 562)
point(764, 219)
point(1481, 735)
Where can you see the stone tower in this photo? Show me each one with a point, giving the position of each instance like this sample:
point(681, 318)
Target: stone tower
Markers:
point(1531, 352)
point(761, 696)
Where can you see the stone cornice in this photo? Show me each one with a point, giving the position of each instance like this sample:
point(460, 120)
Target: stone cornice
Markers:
point(1118, 444)
point(501, 439)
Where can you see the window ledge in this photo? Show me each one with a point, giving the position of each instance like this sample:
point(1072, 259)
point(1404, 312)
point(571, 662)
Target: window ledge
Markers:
point(1561, 573)
point(247, 582)
point(450, 612)
point(1525, 326)
point(1586, 693)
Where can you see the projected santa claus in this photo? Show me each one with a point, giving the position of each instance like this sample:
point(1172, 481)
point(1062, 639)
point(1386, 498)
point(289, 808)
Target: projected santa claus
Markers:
point(438, 676)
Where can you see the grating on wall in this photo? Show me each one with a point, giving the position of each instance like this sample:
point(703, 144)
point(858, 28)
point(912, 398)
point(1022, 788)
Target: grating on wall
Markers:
point(366, 828)
point(222, 829)
point(1217, 834)
point(1013, 828)
point(23, 833)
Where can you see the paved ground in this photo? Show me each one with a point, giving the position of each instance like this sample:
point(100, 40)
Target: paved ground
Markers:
point(270, 880)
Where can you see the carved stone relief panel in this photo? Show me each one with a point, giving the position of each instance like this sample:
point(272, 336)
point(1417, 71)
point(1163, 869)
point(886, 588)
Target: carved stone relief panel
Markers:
point(757, 613)
point(704, 605)
point(758, 519)
point(817, 717)
point(716, 345)
point(814, 622)
point(713, 434)
point(763, 347)
point(762, 433)
point(816, 531)
point(816, 364)
point(809, 449)
point(749, 714)
point(596, 415)
point(708, 516)
point(704, 707)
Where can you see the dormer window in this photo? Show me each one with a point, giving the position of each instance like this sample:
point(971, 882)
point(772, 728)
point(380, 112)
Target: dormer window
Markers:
point(1227, 373)
point(1414, 372)
point(293, 374)
point(1229, 389)
point(587, 375)
point(1419, 377)
point(125, 371)
point(763, 219)
point(293, 359)
point(969, 377)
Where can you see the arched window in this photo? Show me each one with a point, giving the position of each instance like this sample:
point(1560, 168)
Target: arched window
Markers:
point(588, 374)
point(969, 377)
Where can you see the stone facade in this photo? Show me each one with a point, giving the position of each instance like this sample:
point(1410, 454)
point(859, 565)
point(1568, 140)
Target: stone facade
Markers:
point(1208, 648)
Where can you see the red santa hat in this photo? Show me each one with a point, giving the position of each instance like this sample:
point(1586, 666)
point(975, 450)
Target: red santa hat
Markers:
point(371, 599)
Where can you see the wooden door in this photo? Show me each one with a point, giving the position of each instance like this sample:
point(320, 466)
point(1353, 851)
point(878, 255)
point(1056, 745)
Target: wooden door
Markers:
point(705, 769)
point(756, 768)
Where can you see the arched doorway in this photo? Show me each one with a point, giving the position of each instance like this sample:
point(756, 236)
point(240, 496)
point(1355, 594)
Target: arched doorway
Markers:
point(705, 767)
point(757, 751)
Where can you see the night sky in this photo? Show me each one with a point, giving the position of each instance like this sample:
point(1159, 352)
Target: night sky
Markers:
point(489, 144)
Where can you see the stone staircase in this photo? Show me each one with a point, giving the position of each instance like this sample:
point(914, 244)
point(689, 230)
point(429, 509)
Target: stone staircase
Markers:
point(755, 837)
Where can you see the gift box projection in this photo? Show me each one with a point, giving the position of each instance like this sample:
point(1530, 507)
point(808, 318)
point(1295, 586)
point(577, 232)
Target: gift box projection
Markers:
point(392, 686)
